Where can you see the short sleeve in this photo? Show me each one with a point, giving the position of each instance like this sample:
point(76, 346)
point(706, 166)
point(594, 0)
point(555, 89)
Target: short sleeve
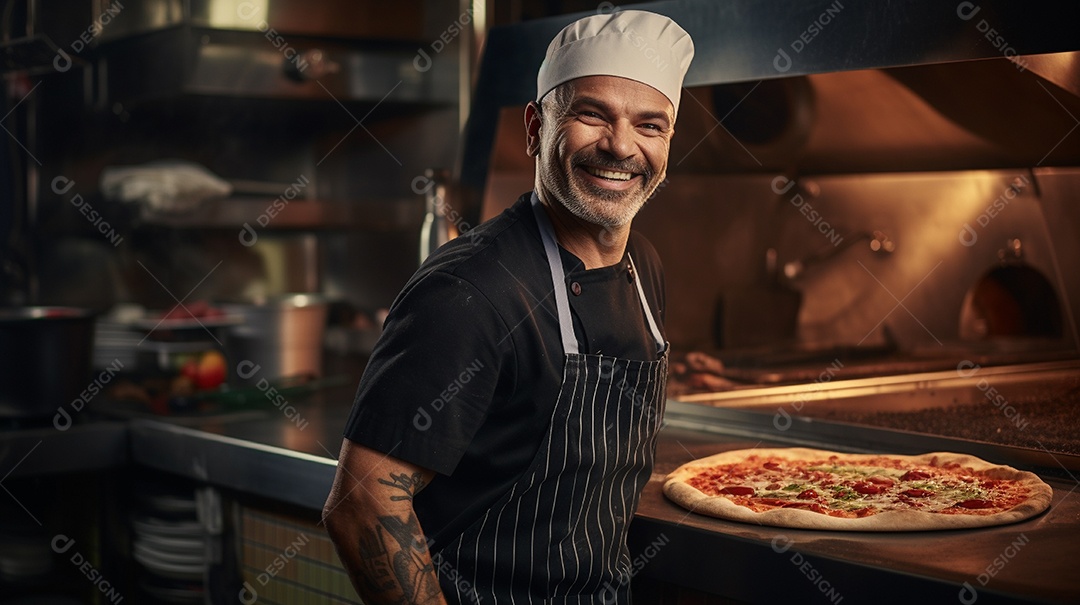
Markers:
point(433, 375)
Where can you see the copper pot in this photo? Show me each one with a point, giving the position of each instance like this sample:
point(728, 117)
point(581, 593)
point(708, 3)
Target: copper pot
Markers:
point(282, 337)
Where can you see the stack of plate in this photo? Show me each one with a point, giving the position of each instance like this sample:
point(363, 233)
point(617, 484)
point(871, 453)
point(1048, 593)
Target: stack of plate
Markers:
point(24, 557)
point(115, 345)
point(170, 544)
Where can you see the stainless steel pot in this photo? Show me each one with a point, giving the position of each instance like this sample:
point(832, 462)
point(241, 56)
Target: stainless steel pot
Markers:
point(282, 337)
point(45, 355)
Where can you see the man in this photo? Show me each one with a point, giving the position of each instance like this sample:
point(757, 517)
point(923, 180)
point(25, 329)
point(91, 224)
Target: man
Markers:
point(506, 423)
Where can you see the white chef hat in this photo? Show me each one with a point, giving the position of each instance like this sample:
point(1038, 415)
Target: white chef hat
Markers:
point(639, 45)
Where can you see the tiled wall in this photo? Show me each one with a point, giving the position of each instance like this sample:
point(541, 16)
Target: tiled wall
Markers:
point(289, 561)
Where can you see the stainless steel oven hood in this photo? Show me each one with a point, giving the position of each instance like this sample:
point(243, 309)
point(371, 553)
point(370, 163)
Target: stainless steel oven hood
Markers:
point(960, 62)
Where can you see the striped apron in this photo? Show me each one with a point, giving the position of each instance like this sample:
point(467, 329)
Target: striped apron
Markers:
point(559, 534)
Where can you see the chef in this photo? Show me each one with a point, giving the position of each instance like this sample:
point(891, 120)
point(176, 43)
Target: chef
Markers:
point(506, 423)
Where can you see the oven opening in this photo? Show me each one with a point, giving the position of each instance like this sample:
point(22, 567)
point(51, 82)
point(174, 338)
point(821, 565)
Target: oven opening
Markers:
point(1013, 301)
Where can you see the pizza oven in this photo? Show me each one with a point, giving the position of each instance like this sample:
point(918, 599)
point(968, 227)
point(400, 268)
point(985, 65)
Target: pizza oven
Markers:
point(1018, 414)
point(877, 243)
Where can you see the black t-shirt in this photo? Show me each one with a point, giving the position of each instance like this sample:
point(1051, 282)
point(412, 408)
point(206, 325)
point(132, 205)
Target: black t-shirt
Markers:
point(465, 376)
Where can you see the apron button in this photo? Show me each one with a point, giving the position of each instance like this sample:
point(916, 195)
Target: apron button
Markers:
point(575, 288)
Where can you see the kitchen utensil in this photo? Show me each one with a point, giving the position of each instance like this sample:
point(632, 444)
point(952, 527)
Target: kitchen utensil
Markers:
point(45, 355)
point(282, 337)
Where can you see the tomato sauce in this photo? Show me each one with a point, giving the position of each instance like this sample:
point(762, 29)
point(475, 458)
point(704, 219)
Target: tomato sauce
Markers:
point(806, 485)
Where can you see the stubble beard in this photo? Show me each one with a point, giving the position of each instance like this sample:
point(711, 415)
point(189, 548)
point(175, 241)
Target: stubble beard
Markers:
point(596, 205)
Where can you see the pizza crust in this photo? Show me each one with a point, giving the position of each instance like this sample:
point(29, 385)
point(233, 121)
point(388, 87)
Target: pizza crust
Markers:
point(676, 489)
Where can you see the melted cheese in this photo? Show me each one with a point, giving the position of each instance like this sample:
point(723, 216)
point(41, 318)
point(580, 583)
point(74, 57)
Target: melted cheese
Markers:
point(837, 487)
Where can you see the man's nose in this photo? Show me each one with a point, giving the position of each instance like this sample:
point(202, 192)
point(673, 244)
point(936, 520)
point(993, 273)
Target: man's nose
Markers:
point(618, 141)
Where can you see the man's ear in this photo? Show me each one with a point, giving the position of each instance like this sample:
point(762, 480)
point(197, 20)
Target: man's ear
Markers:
point(533, 120)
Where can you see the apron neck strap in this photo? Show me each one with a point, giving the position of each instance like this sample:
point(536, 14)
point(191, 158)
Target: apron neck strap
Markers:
point(661, 344)
point(558, 278)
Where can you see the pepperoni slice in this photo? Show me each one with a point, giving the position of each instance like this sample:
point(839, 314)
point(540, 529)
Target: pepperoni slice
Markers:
point(865, 488)
point(884, 481)
point(917, 493)
point(808, 494)
point(914, 476)
point(772, 466)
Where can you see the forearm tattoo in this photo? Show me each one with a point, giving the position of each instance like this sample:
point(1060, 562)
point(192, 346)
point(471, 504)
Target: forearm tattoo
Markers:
point(411, 485)
point(376, 574)
point(405, 565)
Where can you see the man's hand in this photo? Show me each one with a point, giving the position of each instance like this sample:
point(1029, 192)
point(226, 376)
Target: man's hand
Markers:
point(370, 518)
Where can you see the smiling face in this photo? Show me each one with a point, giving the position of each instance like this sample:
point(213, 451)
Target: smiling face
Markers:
point(602, 146)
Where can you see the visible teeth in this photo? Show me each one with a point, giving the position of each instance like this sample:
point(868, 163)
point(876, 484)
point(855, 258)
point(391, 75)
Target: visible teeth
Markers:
point(609, 174)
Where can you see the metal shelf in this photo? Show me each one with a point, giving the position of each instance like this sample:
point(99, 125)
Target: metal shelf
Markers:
point(276, 214)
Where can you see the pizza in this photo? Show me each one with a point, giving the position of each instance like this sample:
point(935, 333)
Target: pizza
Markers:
point(817, 489)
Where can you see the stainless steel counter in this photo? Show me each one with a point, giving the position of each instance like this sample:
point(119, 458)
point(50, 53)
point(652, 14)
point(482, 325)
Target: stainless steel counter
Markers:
point(292, 460)
point(286, 458)
point(48, 450)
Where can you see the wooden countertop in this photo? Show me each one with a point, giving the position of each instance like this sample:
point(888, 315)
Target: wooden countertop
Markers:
point(1031, 561)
